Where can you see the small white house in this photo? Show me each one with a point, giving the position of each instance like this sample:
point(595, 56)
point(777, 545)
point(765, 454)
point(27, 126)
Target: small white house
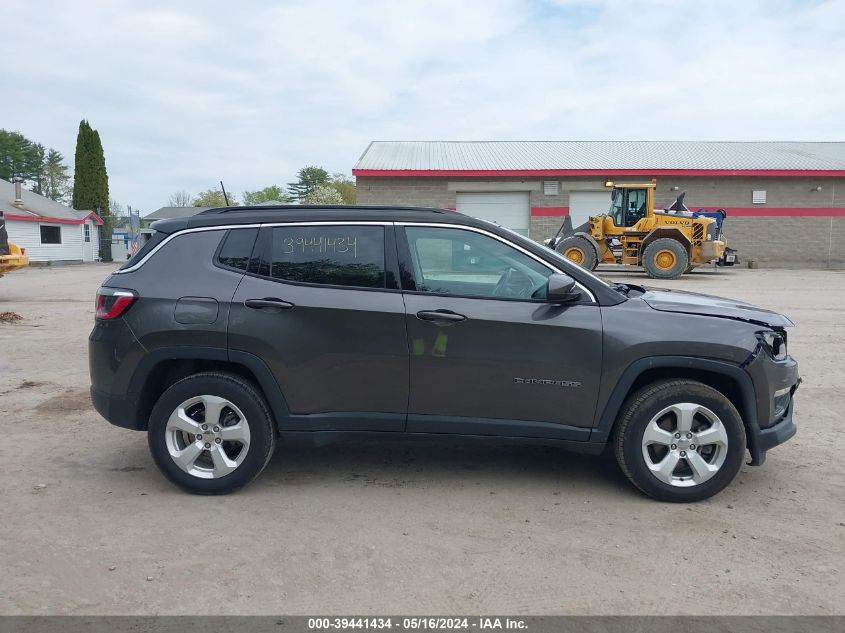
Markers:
point(49, 230)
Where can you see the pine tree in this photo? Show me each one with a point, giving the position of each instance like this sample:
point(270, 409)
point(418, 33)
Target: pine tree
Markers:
point(91, 183)
point(55, 176)
point(82, 169)
point(309, 178)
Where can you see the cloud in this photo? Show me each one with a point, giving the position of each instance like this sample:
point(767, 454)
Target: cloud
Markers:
point(185, 94)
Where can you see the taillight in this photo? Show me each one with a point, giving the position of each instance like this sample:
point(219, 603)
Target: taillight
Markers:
point(113, 302)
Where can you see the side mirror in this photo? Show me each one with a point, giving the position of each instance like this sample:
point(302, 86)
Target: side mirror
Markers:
point(562, 289)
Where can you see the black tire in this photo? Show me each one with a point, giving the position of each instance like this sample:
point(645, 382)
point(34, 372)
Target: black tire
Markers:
point(580, 250)
point(671, 250)
point(689, 269)
point(636, 416)
point(247, 398)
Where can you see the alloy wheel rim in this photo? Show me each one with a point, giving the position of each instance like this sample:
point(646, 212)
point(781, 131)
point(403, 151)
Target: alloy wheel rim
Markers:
point(685, 444)
point(207, 436)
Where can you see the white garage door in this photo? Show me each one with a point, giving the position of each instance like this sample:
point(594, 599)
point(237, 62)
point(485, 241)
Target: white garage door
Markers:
point(583, 204)
point(508, 209)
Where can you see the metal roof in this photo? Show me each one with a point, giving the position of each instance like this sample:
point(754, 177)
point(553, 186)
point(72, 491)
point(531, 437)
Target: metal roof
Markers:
point(580, 157)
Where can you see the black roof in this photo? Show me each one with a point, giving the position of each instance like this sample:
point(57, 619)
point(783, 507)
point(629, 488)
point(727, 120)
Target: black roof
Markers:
point(305, 213)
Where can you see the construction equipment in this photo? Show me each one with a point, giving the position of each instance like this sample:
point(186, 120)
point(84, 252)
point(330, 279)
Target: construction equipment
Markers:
point(666, 243)
point(12, 256)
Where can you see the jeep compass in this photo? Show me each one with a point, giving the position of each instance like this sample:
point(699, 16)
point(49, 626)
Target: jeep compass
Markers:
point(239, 328)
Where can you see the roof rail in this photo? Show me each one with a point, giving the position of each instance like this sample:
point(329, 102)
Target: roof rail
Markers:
point(317, 207)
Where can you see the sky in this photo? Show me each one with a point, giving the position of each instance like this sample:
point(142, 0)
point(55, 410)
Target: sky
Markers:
point(185, 94)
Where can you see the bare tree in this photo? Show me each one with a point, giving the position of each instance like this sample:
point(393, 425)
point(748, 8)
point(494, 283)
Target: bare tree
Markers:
point(180, 199)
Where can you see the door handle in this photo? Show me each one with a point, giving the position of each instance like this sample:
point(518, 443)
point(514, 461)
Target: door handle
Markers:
point(440, 315)
point(268, 302)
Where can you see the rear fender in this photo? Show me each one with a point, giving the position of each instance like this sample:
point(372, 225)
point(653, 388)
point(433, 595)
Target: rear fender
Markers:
point(666, 231)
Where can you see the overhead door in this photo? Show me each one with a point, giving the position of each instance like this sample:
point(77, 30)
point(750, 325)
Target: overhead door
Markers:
point(510, 209)
point(583, 204)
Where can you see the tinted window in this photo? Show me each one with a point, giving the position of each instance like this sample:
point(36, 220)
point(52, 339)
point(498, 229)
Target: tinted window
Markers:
point(330, 255)
point(51, 234)
point(460, 262)
point(148, 242)
point(237, 248)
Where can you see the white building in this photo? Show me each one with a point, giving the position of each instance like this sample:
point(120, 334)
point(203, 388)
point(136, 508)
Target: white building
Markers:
point(49, 230)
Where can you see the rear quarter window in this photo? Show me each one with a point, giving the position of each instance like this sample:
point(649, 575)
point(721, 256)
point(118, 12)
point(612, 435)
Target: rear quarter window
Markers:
point(236, 249)
point(154, 240)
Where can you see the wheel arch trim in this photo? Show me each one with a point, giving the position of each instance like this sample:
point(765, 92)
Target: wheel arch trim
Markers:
point(257, 367)
point(607, 418)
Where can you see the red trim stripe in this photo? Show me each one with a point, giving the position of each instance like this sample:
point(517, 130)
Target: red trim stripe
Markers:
point(778, 212)
point(549, 211)
point(43, 218)
point(493, 173)
point(759, 212)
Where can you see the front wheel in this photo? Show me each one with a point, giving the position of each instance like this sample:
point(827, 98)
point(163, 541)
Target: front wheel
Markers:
point(211, 433)
point(580, 250)
point(665, 258)
point(679, 440)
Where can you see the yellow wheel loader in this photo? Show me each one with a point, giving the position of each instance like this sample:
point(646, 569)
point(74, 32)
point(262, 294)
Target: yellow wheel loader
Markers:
point(12, 256)
point(666, 243)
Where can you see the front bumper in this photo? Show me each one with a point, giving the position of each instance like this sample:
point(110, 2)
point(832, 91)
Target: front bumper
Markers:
point(761, 440)
point(771, 427)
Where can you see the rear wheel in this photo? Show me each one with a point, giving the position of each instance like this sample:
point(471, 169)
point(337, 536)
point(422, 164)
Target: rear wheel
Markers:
point(665, 258)
point(211, 433)
point(679, 440)
point(580, 250)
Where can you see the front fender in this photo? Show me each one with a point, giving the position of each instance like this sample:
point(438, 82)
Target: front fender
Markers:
point(608, 412)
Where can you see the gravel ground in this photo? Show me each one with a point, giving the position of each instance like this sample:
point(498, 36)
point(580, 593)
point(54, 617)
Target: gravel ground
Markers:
point(88, 526)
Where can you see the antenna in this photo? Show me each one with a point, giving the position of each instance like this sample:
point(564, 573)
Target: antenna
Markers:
point(225, 197)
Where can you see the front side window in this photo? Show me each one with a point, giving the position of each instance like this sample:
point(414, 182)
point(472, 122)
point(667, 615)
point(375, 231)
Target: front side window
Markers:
point(461, 262)
point(51, 234)
point(332, 255)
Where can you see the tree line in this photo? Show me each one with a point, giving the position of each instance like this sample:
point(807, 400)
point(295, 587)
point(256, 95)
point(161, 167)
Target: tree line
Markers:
point(42, 169)
point(314, 185)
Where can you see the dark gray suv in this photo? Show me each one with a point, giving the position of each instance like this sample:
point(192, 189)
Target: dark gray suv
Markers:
point(240, 327)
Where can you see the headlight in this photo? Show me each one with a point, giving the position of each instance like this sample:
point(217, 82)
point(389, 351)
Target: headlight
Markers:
point(709, 237)
point(775, 343)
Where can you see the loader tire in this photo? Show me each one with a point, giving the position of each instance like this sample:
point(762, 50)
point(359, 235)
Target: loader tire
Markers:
point(580, 250)
point(665, 258)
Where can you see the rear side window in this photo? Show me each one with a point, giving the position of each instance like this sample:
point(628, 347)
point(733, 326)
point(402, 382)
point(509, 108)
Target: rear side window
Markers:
point(236, 249)
point(148, 243)
point(332, 255)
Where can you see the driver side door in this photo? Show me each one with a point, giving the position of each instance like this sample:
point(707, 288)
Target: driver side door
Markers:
point(489, 356)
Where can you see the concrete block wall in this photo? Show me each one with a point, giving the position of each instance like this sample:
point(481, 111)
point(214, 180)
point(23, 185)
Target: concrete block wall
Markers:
point(795, 240)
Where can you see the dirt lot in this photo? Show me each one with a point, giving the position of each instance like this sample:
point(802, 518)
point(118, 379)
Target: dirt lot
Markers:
point(88, 526)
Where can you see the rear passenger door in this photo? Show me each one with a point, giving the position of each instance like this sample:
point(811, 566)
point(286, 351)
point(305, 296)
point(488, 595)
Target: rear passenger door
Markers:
point(321, 306)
